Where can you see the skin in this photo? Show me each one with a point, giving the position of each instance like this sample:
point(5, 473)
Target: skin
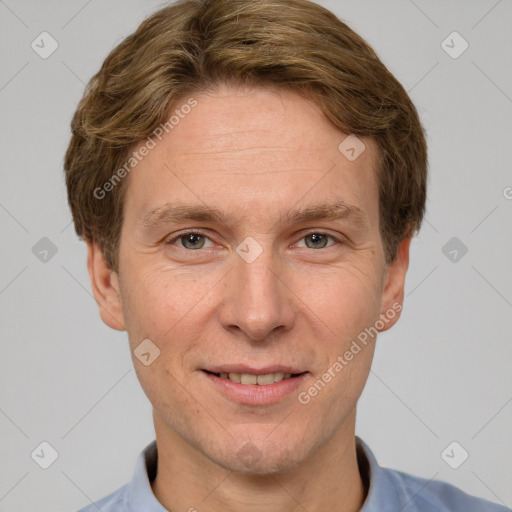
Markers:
point(254, 154)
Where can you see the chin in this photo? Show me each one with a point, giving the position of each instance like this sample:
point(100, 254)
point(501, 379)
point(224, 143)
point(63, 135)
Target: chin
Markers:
point(259, 457)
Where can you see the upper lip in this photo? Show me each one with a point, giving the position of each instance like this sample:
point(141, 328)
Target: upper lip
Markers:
point(243, 368)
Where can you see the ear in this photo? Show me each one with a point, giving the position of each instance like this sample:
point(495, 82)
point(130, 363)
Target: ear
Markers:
point(105, 286)
point(393, 288)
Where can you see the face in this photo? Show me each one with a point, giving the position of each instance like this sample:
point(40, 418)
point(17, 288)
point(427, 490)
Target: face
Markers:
point(250, 250)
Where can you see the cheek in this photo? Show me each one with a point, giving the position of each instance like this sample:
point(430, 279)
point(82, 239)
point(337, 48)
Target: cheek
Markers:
point(159, 305)
point(341, 394)
point(346, 299)
point(158, 299)
point(171, 308)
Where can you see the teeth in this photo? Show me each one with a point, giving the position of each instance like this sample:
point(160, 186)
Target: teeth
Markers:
point(247, 378)
point(278, 377)
point(235, 377)
point(261, 380)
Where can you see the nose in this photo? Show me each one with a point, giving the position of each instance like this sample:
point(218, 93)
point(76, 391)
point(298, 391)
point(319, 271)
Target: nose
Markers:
point(257, 300)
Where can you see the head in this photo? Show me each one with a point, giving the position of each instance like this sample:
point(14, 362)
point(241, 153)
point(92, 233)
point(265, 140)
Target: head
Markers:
point(248, 177)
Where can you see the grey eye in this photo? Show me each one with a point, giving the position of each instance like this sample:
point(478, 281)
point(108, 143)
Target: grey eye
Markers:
point(195, 240)
point(318, 240)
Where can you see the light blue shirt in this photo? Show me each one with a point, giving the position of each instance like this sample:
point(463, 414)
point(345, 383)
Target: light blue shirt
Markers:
point(389, 490)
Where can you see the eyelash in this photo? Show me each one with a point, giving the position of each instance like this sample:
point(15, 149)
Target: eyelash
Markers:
point(183, 234)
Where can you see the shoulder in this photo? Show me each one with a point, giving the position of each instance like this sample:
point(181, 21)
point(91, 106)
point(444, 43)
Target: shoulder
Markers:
point(137, 494)
point(114, 502)
point(391, 490)
point(425, 495)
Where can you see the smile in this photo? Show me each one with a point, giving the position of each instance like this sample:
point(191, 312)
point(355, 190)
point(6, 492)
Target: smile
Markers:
point(249, 378)
point(255, 387)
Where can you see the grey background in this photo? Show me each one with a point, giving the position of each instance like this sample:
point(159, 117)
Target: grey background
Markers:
point(441, 375)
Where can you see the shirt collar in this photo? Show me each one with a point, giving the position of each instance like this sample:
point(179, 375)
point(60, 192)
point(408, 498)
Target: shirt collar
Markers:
point(140, 495)
point(385, 492)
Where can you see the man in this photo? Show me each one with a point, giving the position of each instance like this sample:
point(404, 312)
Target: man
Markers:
point(248, 177)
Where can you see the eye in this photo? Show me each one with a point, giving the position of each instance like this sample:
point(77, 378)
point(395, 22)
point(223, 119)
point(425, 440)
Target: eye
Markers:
point(317, 240)
point(189, 240)
point(194, 240)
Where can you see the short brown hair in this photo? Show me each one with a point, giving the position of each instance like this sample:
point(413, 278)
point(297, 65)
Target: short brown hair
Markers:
point(193, 45)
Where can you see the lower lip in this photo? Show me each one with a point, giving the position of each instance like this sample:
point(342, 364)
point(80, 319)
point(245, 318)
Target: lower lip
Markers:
point(253, 394)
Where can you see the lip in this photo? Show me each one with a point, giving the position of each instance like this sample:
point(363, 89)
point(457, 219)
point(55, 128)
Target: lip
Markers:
point(253, 394)
point(242, 368)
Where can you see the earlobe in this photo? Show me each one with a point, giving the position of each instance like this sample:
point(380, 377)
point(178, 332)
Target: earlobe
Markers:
point(394, 282)
point(105, 287)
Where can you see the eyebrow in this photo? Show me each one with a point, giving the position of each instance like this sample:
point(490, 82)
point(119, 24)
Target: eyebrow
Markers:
point(172, 213)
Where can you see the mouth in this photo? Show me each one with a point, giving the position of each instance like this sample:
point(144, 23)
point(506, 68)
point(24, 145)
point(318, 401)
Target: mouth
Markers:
point(255, 379)
point(255, 387)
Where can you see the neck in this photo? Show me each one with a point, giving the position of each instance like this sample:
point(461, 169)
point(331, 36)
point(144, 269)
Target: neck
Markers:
point(327, 480)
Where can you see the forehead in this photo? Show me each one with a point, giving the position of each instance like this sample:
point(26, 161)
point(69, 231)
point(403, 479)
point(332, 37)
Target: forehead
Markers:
point(252, 149)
